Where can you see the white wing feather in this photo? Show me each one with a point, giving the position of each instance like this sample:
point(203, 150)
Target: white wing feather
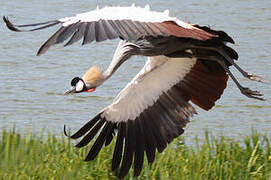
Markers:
point(158, 75)
point(134, 13)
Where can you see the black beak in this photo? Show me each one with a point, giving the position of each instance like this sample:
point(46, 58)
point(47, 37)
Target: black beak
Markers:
point(71, 90)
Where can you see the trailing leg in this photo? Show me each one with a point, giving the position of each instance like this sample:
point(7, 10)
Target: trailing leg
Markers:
point(244, 90)
point(231, 61)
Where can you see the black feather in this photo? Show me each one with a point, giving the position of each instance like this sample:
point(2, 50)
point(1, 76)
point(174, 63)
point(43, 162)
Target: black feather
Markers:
point(165, 121)
point(97, 146)
point(139, 150)
point(174, 115)
point(86, 127)
point(13, 27)
point(119, 146)
point(110, 136)
point(128, 149)
point(180, 109)
point(159, 131)
point(149, 139)
point(42, 27)
point(221, 34)
point(10, 25)
point(91, 134)
point(231, 52)
point(180, 54)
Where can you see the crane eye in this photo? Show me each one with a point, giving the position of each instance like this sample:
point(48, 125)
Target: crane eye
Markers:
point(75, 81)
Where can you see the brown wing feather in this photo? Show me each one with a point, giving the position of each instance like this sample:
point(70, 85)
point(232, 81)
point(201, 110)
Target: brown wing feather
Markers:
point(203, 86)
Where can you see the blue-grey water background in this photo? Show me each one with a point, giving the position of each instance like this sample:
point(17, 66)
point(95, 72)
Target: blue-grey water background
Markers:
point(31, 87)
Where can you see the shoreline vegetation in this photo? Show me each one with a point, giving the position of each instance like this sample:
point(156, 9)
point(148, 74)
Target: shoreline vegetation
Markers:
point(34, 156)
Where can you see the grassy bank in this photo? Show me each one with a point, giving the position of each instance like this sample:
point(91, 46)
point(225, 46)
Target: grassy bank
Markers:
point(36, 157)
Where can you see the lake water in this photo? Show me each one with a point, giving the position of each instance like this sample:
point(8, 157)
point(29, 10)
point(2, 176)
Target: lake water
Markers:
point(31, 93)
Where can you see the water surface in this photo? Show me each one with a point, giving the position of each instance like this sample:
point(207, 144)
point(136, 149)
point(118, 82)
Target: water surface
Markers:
point(31, 93)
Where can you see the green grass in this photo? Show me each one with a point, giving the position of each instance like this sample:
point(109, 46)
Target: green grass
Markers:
point(32, 156)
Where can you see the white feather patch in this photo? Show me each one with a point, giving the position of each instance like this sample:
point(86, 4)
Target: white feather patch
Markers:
point(158, 75)
point(133, 12)
point(79, 86)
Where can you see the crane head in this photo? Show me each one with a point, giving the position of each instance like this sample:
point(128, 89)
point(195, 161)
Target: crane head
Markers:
point(88, 83)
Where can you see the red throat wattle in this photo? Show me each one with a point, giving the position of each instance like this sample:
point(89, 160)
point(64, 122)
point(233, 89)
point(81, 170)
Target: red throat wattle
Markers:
point(91, 90)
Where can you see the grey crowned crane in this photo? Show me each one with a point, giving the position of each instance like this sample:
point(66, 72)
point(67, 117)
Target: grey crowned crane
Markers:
point(186, 63)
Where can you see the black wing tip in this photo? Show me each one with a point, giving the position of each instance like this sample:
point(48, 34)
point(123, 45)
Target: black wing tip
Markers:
point(65, 132)
point(231, 40)
point(10, 25)
point(68, 134)
point(43, 49)
point(90, 158)
point(40, 52)
point(226, 37)
point(220, 34)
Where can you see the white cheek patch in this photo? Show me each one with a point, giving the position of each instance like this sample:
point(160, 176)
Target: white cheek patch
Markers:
point(79, 86)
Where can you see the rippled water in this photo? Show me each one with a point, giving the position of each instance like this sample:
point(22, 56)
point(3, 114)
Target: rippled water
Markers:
point(31, 93)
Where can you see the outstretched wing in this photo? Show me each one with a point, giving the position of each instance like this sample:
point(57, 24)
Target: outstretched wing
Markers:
point(129, 23)
point(152, 110)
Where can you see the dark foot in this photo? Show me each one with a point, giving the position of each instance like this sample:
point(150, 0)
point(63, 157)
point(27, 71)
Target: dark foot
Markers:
point(253, 77)
point(251, 94)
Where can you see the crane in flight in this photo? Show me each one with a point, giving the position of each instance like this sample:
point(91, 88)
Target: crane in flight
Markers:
point(186, 63)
